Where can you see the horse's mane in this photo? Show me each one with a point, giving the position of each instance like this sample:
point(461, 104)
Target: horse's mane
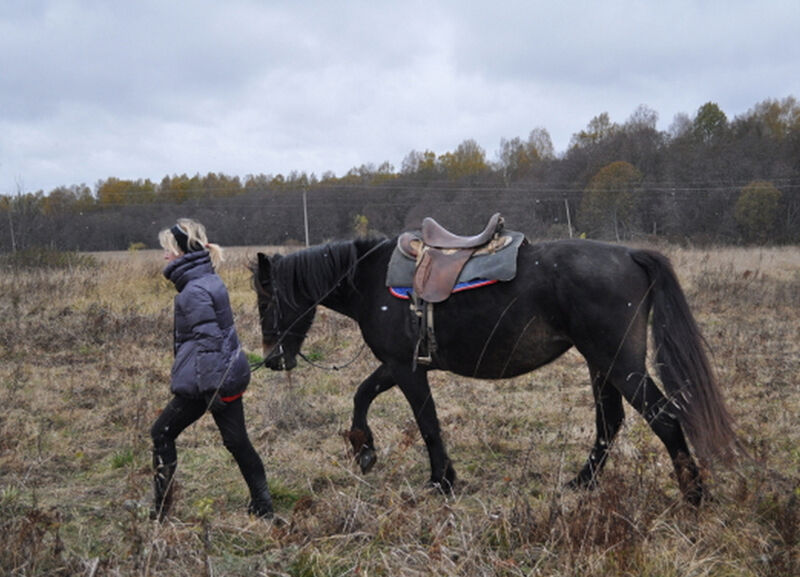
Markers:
point(313, 273)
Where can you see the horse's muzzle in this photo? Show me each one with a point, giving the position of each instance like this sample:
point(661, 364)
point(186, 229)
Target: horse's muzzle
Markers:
point(276, 358)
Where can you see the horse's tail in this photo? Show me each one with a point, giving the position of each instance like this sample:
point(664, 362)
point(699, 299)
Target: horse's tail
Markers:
point(683, 364)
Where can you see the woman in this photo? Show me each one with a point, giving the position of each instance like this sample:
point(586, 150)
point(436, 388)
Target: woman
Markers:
point(210, 370)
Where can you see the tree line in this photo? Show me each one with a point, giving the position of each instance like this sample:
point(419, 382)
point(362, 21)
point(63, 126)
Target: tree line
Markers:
point(707, 179)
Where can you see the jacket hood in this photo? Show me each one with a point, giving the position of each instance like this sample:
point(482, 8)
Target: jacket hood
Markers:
point(188, 267)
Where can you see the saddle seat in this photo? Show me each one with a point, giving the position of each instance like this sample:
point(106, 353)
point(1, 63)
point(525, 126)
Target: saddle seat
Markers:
point(435, 235)
point(440, 255)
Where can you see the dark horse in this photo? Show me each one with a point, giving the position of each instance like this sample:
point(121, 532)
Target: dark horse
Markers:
point(593, 296)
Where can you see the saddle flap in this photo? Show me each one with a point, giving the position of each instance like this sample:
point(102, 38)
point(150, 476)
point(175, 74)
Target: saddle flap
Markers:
point(437, 272)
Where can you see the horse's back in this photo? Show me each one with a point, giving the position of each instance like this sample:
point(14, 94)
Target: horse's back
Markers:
point(584, 269)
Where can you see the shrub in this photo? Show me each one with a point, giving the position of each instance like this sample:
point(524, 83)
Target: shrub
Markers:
point(757, 209)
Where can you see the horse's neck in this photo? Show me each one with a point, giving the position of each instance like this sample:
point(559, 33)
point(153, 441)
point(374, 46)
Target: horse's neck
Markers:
point(343, 298)
point(338, 306)
point(341, 294)
point(337, 287)
point(340, 298)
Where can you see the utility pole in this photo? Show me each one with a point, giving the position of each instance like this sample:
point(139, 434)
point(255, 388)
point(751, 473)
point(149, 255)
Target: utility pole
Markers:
point(569, 220)
point(305, 213)
point(20, 188)
point(11, 227)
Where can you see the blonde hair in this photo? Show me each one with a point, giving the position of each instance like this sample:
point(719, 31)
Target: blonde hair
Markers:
point(196, 234)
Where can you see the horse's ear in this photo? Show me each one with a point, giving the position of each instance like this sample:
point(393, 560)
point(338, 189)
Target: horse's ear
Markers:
point(263, 267)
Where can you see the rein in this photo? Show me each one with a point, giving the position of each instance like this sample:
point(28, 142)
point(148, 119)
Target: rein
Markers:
point(277, 350)
point(333, 367)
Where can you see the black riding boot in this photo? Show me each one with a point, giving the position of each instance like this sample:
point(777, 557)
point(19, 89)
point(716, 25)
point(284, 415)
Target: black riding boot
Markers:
point(261, 504)
point(162, 490)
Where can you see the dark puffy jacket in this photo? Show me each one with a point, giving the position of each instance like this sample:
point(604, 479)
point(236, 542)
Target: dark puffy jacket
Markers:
point(207, 351)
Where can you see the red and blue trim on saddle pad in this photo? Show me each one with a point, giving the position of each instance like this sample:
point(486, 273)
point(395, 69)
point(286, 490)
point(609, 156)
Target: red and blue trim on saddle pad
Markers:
point(404, 292)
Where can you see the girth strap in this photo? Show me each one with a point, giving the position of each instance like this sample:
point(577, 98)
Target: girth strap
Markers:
point(425, 346)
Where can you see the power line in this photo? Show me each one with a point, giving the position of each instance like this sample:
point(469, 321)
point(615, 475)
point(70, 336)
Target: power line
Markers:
point(319, 192)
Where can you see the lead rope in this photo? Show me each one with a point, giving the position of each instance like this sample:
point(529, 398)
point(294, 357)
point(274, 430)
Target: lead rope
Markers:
point(333, 367)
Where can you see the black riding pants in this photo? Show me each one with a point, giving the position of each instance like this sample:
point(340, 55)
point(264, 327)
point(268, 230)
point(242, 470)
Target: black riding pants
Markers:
point(181, 412)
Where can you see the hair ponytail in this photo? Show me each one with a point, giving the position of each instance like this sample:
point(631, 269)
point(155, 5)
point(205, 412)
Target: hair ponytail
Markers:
point(215, 252)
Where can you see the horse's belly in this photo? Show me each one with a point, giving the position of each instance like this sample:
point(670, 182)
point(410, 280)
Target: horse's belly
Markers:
point(504, 354)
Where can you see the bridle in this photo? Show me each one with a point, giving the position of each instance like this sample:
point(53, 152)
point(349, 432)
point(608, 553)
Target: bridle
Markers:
point(277, 351)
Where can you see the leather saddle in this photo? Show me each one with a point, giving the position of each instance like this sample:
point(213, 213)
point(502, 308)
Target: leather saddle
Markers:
point(441, 255)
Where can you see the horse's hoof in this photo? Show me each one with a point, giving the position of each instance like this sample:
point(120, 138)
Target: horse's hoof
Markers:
point(444, 488)
point(579, 483)
point(694, 496)
point(367, 459)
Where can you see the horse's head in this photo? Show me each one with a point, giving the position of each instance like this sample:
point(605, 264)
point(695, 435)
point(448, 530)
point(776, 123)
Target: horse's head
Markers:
point(284, 322)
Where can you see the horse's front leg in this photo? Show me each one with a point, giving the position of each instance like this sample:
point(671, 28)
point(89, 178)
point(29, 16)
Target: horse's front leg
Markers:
point(360, 435)
point(417, 391)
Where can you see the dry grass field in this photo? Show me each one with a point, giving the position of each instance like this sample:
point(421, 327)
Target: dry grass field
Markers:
point(86, 352)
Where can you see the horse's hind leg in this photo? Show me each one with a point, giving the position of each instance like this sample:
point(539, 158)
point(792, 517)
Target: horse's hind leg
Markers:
point(609, 415)
point(360, 435)
point(660, 413)
point(625, 368)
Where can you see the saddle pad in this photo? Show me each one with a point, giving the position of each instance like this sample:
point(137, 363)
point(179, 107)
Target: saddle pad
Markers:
point(501, 265)
point(404, 292)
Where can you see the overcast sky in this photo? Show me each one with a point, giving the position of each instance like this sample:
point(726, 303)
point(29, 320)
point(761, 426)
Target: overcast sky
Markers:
point(91, 89)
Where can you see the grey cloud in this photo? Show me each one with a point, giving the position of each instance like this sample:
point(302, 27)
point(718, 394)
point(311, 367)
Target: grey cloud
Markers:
point(92, 89)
